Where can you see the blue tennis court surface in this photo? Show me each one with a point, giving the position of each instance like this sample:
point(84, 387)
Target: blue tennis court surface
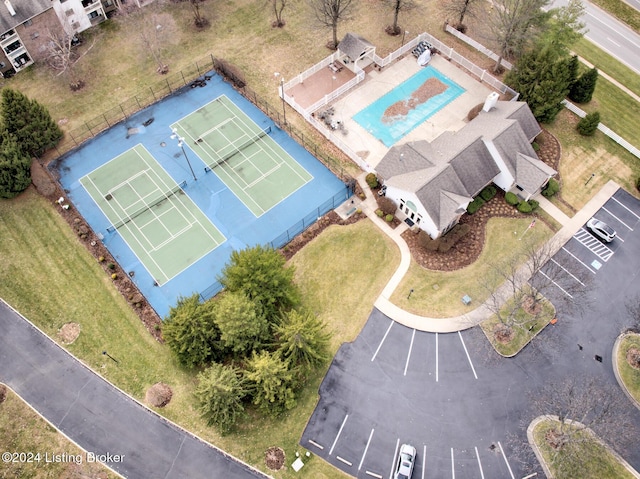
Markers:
point(390, 130)
point(238, 226)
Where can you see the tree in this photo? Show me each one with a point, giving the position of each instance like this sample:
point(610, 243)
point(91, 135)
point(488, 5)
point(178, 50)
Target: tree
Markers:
point(271, 383)
point(191, 332)
point(563, 27)
point(582, 89)
point(302, 340)
point(513, 24)
point(241, 329)
point(278, 7)
point(29, 122)
point(15, 175)
point(220, 392)
point(543, 79)
point(459, 9)
point(329, 13)
point(588, 125)
point(63, 55)
point(398, 6)
point(198, 19)
point(260, 273)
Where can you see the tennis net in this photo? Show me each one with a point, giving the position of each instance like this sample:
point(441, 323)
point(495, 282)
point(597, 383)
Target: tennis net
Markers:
point(244, 145)
point(147, 206)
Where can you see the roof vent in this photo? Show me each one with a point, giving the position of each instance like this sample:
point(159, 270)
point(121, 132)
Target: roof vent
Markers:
point(12, 10)
point(491, 101)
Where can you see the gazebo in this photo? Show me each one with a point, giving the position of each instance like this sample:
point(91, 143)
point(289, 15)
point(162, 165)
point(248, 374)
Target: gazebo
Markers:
point(357, 52)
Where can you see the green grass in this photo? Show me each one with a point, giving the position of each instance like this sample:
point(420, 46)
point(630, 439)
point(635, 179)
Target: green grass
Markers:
point(48, 275)
point(597, 463)
point(439, 294)
point(622, 11)
point(24, 431)
point(630, 377)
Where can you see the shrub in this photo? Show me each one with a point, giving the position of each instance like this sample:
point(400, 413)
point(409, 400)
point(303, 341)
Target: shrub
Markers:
point(534, 204)
point(488, 192)
point(379, 213)
point(535, 146)
point(589, 124)
point(388, 218)
point(475, 111)
point(551, 189)
point(372, 180)
point(114, 276)
point(475, 205)
point(456, 233)
point(111, 266)
point(426, 242)
point(524, 207)
point(387, 205)
point(230, 72)
point(511, 198)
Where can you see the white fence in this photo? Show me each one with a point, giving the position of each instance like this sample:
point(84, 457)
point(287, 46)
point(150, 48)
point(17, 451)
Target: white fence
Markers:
point(478, 46)
point(604, 129)
point(340, 143)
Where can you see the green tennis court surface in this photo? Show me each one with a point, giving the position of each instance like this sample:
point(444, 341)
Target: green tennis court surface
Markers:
point(252, 165)
point(160, 223)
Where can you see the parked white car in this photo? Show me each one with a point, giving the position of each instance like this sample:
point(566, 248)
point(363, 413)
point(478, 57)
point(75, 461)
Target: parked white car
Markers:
point(601, 230)
point(406, 461)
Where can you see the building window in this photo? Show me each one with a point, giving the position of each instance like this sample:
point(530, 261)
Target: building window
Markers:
point(34, 35)
point(94, 14)
point(75, 26)
point(28, 23)
point(69, 12)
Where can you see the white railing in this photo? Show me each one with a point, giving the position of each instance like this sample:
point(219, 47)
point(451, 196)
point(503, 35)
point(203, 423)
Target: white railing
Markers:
point(478, 46)
point(307, 73)
point(604, 129)
point(340, 143)
point(407, 47)
point(342, 89)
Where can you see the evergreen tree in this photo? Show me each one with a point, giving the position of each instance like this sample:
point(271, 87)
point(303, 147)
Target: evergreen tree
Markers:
point(583, 88)
point(589, 124)
point(574, 69)
point(191, 332)
point(271, 383)
point(220, 392)
point(15, 173)
point(241, 329)
point(302, 340)
point(29, 122)
point(260, 273)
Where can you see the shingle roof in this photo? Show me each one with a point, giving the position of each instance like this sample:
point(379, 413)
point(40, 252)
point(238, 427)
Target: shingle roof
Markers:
point(25, 9)
point(531, 173)
point(354, 46)
point(517, 110)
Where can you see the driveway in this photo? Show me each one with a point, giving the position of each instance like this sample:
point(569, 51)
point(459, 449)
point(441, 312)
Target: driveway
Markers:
point(136, 442)
point(455, 400)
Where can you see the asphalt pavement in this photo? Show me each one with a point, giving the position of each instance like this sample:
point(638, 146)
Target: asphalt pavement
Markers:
point(102, 420)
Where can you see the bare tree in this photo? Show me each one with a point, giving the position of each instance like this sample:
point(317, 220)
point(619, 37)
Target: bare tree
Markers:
point(63, 54)
point(513, 24)
point(398, 6)
point(459, 9)
point(198, 19)
point(329, 13)
point(278, 7)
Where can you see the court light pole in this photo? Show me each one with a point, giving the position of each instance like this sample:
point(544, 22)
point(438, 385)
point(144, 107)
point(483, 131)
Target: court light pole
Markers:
point(404, 32)
point(175, 136)
point(284, 110)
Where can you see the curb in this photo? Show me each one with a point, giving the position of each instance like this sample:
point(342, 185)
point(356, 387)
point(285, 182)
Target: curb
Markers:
point(616, 371)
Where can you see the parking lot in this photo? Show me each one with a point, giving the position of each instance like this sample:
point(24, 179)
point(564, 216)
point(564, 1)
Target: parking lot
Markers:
point(458, 405)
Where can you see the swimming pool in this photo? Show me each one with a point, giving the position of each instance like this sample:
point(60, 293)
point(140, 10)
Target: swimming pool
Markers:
point(399, 111)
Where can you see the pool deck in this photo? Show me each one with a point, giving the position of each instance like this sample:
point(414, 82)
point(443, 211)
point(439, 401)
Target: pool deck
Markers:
point(452, 117)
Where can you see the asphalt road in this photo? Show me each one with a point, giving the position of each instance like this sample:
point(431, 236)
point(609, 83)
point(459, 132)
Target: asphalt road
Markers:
point(100, 418)
point(610, 35)
point(456, 401)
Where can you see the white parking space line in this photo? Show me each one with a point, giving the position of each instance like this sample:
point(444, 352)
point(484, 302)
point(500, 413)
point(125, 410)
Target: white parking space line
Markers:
point(436, 357)
point(619, 220)
point(395, 454)
point(373, 474)
point(479, 463)
point(383, 338)
point(626, 207)
point(468, 357)
point(316, 444)
point(424, 460)
point(567, 271)
point(578, 260)
point(339, 432)
point(594, 245)
point(344, 460)
point(453, 466)
point(366, 448)
point(505, 460)
point(406, 364)
point(557, 285)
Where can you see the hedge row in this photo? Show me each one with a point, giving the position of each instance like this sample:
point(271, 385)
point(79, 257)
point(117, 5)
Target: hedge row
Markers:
point(446, 242)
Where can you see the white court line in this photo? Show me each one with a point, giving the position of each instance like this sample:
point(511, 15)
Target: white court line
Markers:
point(557, 285)
point(626, 207)
point(567, 271)
point(479, 463)
point(339, 432)
point(366, 449)
point(436, 357)
point(424, 460)
point(383, 338)
point(505, 461)
point(578, 260)
point(395, 455)
point(406, 364)
point(468, 357)
point(453, 466)
point(619, 220)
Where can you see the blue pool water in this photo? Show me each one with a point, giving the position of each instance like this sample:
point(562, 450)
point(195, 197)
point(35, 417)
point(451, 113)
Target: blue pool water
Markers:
point(389, 132)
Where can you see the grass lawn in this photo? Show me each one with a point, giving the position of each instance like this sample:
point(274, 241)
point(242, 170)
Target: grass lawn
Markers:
point(50, 277)
point(439, 294)
point(629, 376)
point(598, 462)
point(22, 430)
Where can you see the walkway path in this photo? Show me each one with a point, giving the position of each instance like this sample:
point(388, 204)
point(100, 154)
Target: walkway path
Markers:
point(100, 418)
point(470, 319)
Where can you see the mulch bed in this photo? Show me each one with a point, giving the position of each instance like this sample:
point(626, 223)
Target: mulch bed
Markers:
point(274, 458)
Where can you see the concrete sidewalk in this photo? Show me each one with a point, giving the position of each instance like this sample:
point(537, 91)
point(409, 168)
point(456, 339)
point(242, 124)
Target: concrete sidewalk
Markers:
point(482, 312)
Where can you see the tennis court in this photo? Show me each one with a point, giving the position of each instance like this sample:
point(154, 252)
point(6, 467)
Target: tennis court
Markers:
point(243, 155)
point(163, 227)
